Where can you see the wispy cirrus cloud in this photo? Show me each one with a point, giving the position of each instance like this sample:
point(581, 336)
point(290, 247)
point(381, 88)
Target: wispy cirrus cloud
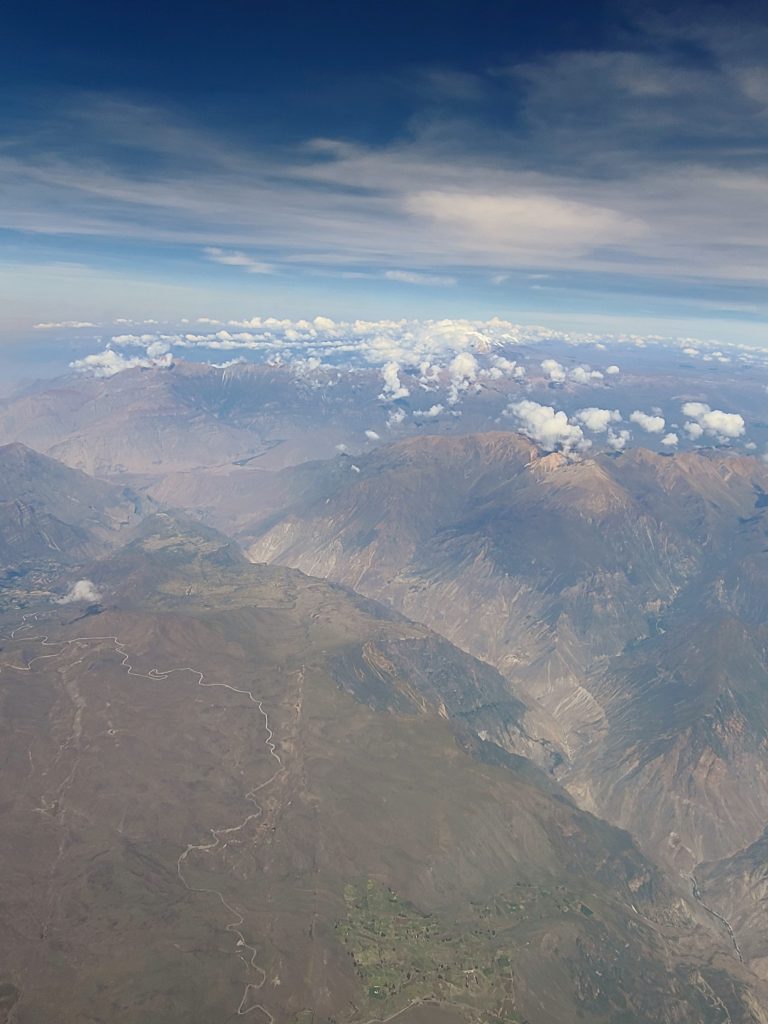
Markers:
point(66, 324)
point(414, 277)
point(638, 165)
point(367, 206)
point(238, 259)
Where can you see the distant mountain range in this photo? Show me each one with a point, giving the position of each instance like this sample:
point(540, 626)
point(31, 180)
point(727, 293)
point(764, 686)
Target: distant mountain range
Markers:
point(154, 422)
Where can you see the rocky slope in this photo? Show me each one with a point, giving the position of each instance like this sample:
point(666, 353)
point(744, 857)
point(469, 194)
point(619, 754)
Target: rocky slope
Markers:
point(49, 511)
point(736, 888)
point(234, 789)
point(625, 595)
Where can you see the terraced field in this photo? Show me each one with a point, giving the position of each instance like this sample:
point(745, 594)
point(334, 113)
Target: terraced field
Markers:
point(404, 957)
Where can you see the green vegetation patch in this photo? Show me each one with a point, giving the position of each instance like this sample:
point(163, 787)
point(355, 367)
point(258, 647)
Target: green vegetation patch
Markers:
point(528, 903)
point(403, 956)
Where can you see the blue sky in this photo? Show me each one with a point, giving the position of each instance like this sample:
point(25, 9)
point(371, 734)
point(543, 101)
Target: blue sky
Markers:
point(537, 161)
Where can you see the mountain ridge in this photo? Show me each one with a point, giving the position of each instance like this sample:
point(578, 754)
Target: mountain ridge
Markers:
point(365, 806)
point(556, 571)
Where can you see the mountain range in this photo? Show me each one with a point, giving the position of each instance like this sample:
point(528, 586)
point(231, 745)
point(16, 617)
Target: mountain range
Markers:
point(248, 788)
point(447, 729)
point(622, 595)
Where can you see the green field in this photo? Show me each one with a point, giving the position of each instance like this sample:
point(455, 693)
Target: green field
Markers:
point(403, 956)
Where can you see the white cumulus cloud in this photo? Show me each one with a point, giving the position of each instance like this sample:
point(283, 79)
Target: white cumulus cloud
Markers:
point(462, 372)
point(718, 424)
point(157, 349)
point(618, 440)
point(542, 424)
point(392, 389)
point(395, 418)
point(463, 367)
point(651, 424)
point(83, 590)
point(109, 362)
point(428, 414)
point(583, 375)
point(597, 420)
point(553, 370)
point(508, 367)
point(694, 431)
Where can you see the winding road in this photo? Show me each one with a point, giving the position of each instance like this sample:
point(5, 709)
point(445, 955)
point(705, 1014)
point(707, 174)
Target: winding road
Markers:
point(246, 951)
point(697, 896)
